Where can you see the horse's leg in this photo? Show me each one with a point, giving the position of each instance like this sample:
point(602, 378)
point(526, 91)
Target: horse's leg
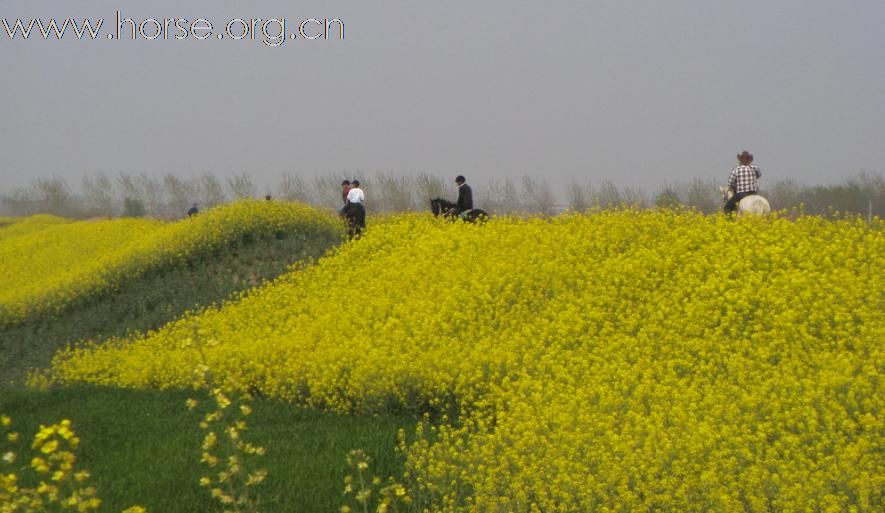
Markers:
point(361, 218)
point(351, 224)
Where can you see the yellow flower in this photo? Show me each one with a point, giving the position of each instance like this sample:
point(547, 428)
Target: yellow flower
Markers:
point(39, 464)
point(209, 441)
point(49, 447)
point(256, 477)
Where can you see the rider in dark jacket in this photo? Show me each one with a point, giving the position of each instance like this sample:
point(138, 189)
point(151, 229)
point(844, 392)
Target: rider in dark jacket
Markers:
point(465, 196)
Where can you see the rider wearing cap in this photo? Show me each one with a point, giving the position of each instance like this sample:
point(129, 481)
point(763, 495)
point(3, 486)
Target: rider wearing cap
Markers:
point(743, 181)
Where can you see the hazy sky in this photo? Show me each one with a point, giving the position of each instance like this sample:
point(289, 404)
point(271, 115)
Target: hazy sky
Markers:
point(637, 92)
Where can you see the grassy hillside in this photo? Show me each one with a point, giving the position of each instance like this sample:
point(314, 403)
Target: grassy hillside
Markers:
point(152, 300)
point(55, 268)
point(626, 361)
point(116, 277)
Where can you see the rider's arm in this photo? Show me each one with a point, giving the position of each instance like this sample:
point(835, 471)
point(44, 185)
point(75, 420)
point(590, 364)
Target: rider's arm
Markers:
point(732, 180)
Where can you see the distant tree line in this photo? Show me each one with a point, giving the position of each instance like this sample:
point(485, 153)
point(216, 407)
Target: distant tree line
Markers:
point(169, 196)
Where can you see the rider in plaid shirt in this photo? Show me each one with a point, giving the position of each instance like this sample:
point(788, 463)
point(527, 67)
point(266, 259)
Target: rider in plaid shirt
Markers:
point(743, 181)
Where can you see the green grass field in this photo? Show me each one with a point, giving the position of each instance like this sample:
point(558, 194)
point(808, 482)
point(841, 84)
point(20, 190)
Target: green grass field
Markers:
point(144, 447)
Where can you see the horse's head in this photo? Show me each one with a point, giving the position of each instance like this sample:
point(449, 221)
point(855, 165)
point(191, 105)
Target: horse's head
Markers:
point(440, 206)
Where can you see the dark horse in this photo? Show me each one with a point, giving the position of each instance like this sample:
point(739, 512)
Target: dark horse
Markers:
point(445, 208)
point(355, 219)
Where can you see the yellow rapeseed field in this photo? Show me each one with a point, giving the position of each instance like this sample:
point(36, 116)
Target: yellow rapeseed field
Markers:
point(614, 362)
point(49, 263)
point(15, 226)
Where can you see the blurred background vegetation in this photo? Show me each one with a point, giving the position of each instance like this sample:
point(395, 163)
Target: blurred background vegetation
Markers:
point(169, 197)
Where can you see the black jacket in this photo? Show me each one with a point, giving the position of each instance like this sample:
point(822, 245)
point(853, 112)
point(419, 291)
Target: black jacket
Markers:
point(465, 198)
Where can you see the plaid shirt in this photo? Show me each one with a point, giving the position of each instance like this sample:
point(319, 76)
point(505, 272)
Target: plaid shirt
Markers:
point(743, 179)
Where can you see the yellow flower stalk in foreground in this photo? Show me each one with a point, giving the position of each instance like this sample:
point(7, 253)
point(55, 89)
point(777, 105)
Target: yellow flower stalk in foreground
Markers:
point(59, 484)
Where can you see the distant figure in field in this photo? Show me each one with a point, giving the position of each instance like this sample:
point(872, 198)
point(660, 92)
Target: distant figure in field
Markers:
point(193, 210)
point(267, 197)
point(744, 183)
point(355, 210)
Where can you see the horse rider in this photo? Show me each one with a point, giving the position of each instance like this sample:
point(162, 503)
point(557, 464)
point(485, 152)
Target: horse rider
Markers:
point(743, 181)
point(345, 188)
point(465, 197)
point(354, 209)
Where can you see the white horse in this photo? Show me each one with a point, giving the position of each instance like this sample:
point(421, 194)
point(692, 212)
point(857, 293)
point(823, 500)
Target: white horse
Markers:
point(752, 204)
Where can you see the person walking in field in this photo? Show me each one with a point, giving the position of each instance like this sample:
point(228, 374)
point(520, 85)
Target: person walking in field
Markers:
point(354, 210)
point(193, 210)
point(743, 181)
